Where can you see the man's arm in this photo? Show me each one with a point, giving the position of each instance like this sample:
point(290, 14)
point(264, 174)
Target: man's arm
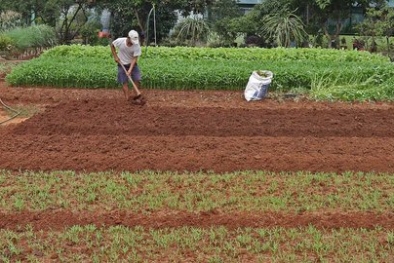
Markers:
point(114, 54)
point(132, 63)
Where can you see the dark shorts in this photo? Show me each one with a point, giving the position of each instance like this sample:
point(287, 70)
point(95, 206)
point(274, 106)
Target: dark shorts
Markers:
point(135, 74)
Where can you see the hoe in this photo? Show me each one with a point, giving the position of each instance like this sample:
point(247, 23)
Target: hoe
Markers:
point(138, 99)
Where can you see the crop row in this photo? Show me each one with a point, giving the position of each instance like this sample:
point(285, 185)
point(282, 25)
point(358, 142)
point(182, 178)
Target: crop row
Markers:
point(328, 74)
point(149, 191)
point(238, 54)
point(93, 243)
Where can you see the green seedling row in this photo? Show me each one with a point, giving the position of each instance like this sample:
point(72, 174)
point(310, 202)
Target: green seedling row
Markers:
point(324, 73)
point(238, 54)
point(149, 191)
point(93, 243)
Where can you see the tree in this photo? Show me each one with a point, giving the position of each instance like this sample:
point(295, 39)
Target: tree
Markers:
point(192, 30)
point(225, 19)
point(55, 13)
point(24, 8)
point(284, 27)
point(324, 13)
point(253, 24)
point(379, 21)
point(73, 18)
point(218, 10)
point(325, 17)
point(126, 15)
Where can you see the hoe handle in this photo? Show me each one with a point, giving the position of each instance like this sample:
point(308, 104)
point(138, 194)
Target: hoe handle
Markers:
point(131, 80)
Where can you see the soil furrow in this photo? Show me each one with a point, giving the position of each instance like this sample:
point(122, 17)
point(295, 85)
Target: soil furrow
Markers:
point(58, 220)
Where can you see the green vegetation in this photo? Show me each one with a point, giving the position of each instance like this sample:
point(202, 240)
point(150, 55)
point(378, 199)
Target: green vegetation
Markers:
point(322, 74)
point(3, 68)
point(325, 73)
point(91, 243)
point(6, 67)
point(149, 191)
point(40, 36)
point(20, 40)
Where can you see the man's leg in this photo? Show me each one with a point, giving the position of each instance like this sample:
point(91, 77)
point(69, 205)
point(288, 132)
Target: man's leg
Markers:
point(136, 77)
point(123, 79)
point(125, 88)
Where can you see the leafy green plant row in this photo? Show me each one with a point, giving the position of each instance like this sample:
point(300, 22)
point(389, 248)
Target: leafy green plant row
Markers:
point(91, 243)
point(65, 72)
point(160, 73)
point(261, 55)
point(243, 191)
point(329, 74)
point(258, 55)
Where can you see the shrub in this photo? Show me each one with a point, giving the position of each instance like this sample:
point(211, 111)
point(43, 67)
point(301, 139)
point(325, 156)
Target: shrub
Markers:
point(32, 38)
point(5, 42)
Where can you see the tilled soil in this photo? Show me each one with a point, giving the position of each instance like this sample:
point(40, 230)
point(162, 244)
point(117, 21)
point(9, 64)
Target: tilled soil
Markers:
point(194, 131)
point(97, 130)
point(58, 220)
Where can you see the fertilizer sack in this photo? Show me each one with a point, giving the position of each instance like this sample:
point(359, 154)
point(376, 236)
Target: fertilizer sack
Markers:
point(258, 85)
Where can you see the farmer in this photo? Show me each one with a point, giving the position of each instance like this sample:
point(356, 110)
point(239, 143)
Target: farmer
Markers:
point(129, 50)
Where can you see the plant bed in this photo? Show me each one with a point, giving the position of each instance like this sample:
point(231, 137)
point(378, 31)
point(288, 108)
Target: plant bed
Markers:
point(194, 176)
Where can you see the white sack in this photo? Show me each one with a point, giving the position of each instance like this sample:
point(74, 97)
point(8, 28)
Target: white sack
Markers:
point(257, 87)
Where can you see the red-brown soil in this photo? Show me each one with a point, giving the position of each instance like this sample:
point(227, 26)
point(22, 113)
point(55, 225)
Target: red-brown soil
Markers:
point(57, 220)
point(97, 130)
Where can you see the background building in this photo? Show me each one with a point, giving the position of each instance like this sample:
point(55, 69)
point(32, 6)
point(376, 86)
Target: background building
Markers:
point(247, 5)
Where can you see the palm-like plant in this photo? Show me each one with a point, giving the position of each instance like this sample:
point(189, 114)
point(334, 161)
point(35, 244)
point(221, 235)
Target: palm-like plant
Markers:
point(193, 29)
point(284, 27)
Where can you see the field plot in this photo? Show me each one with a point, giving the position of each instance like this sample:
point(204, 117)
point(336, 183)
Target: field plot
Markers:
point(194, 177)
point(98, 131)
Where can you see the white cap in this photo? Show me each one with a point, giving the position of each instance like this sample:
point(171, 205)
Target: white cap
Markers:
point(133, 35)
